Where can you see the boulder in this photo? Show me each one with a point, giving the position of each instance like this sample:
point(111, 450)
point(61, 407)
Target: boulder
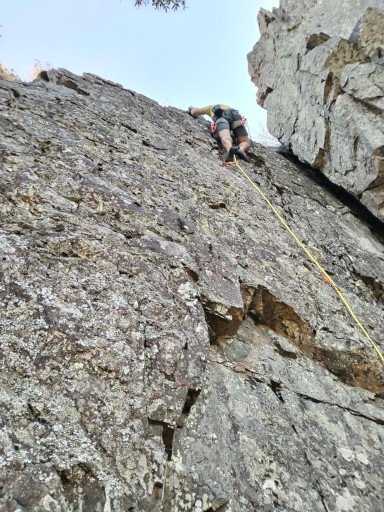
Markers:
point(320, 72)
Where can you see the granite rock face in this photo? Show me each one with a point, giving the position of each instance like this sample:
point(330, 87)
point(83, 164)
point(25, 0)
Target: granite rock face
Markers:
point(319, 66)
point(166, 345)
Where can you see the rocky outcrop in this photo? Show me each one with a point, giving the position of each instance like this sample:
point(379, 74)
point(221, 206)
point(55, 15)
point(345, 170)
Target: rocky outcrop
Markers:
point(166, 344)
point(319, 67)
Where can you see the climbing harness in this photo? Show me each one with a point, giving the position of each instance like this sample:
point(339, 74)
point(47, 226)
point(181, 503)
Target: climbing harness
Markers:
point(324, 274)
point(238, 122)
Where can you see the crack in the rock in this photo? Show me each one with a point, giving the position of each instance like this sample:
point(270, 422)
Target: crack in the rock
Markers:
point(168, 431)
point(360, 211)
point(316, 481)
point(190, 400)
point(167, 435)
point(277, 387)
point(378, 421)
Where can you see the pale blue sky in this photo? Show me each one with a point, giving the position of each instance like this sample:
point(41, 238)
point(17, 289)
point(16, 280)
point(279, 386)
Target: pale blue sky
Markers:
point(191, 57)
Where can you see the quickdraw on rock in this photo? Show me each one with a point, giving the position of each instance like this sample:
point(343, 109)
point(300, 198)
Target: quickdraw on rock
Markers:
point(329, 282)
point(324, 274)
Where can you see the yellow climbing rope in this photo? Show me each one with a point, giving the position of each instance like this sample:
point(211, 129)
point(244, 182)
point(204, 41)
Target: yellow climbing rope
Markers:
point(325, 276)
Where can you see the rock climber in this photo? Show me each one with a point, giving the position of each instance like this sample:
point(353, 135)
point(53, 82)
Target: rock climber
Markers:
point(224, 120)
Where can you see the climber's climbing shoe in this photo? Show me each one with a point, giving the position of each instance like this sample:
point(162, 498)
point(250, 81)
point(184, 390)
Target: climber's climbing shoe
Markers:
point(240, 153)
point(231, 151)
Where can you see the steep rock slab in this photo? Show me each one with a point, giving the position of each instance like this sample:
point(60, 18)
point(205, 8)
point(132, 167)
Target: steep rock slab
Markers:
point(159, 324)
point(294, 444)
point(320, 72)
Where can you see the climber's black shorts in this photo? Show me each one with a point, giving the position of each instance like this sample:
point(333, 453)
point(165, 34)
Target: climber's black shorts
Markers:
point(226, 122)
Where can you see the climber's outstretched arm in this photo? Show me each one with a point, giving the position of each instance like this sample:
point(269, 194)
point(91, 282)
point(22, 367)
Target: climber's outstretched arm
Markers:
point(195, 111)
